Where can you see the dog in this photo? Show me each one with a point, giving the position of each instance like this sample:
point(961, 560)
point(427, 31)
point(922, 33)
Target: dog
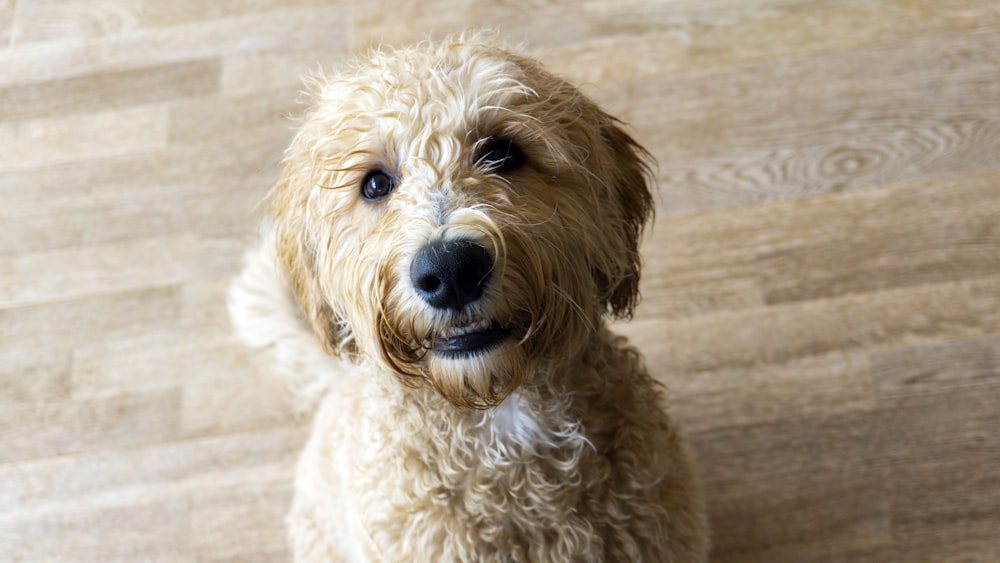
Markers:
point(452, 230)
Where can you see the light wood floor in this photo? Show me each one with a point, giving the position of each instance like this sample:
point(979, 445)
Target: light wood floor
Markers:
point(822, 289)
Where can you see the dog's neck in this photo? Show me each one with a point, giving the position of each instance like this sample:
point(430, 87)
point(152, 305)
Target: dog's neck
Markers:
point(540, 416)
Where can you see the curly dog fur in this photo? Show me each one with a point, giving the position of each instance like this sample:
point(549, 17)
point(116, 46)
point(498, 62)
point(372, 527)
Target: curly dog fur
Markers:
point(455, 225)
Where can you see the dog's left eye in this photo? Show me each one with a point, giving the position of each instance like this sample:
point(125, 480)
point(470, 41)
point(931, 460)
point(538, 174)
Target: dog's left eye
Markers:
point(376, 185)
point(500, 156)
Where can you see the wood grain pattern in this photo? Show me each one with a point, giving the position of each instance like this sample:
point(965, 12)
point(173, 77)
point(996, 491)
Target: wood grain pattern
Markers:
point(821, 292)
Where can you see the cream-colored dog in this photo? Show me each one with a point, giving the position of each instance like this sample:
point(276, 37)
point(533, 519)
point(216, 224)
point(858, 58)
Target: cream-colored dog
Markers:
point(455, 224)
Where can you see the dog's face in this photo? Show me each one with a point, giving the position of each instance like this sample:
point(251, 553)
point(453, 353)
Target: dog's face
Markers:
point(457, 215)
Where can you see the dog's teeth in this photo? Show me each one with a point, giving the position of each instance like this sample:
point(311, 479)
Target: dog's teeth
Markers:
point(453, 331)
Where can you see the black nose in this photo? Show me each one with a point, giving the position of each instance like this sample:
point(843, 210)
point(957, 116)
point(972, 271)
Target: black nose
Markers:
point(451, 274)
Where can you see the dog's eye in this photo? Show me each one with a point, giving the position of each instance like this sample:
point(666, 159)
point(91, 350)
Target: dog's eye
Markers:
point(376, 185)
point(500, 156)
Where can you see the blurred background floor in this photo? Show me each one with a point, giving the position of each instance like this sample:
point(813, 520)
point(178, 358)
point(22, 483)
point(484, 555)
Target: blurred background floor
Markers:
point(821, 294)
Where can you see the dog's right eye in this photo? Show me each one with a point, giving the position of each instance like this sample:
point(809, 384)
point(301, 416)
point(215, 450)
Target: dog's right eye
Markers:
point(376, 185)
point(500, 156)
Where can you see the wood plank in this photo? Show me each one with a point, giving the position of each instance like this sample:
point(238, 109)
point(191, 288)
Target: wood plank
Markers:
point(818, 88)
point(34, 376)
point(233, 404)
point(6, 23)
point(40, 342)
point(910, 235)
point(127, 265)
point(155, 530)
point(72, 21)
point(206, 210)
point(809, 477)
point(203, 306)
point(800, 389)
point(106, 477)
point(844, 131)
point(66, 187)
point(35, 142)
point(64, 325)
point(972, 550)
point(855, 242)
point(701, 264)
point(211, 120)
point(940, 466)
point(154, 359)
point(65, 427)
point(192, 480)
point(106, 91)
point(937, 367)
point(986, 299)
point(244, 524)
point(285, 30)
point(782, 23)
point(245, 73)
point(179, 12)
point(642, 39)
point(782, 333)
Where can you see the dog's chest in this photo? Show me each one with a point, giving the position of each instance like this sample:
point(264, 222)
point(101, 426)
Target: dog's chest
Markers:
point(513, 423)
point(509, 457)
point(521, 475)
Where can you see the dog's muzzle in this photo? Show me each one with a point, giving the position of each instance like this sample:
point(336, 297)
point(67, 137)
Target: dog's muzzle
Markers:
point(448, 275)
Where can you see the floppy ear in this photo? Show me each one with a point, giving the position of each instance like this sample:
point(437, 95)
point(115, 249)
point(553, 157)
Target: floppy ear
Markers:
point(627, 176)
point(296, 256)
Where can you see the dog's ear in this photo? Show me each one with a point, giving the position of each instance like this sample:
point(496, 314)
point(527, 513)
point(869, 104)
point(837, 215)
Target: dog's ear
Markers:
point(627, 177)
point(296, 257)
point(623, 171)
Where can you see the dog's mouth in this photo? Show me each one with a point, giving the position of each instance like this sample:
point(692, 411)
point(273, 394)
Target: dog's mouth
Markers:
point(470, 339)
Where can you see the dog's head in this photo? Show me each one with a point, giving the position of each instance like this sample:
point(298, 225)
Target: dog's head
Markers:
point(459, 216)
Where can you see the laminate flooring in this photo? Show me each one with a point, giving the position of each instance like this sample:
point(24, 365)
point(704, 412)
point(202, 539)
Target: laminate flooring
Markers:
point(821, 292)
